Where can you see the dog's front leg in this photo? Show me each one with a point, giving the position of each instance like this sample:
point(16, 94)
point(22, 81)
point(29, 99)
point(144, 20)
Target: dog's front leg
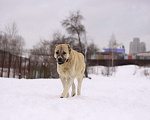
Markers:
point(64, 83)
point(67, 86)
point(73, 90)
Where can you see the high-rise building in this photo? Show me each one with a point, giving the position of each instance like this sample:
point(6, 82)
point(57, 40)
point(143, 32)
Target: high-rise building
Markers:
point(136, 46)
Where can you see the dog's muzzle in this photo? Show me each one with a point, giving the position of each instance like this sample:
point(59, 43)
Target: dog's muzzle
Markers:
point(60, 60)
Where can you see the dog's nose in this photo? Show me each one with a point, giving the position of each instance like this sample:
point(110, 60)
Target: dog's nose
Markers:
point(59, 59)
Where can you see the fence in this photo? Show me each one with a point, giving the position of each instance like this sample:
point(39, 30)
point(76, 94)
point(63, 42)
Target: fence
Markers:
point(19, 67)
point(12, 66)
point(108, 62)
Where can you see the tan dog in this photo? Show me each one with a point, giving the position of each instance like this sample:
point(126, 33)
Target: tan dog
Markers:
point(70, 65)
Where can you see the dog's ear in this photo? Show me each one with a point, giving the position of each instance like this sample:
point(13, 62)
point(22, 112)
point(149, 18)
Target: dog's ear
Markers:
point(69, 48)
point(56, 45)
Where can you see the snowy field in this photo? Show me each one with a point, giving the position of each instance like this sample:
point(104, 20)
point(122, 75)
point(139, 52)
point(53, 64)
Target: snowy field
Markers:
point(123, 96)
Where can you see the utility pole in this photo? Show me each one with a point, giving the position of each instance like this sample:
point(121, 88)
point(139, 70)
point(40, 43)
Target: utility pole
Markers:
point(112, 56)
point(112, 44)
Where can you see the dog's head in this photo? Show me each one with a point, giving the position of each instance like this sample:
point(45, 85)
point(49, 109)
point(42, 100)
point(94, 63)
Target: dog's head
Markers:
point(62, 52)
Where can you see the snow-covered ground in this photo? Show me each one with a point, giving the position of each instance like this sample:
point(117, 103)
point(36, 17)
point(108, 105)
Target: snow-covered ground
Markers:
point(123, 96)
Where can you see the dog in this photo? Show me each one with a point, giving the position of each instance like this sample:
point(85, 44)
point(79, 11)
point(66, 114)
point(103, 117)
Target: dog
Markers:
point(70, 65)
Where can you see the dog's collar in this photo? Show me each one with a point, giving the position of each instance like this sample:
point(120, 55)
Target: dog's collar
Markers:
point(67, 60)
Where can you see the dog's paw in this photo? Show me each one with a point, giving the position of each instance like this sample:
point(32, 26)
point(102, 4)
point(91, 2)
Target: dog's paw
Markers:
point(73, 94)
point(64, 96)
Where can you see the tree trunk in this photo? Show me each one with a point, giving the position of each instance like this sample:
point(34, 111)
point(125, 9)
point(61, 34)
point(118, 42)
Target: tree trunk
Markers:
point(79, 42)
point(3, 62)
point(9, 64)
point(86, 73)
point(29, 68)
point(20, 67)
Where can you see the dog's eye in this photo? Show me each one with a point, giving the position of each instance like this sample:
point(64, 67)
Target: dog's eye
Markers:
point(64, 53)
point(57, 52)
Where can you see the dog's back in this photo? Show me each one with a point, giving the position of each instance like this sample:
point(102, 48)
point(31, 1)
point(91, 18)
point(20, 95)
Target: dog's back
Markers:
point(79, 62)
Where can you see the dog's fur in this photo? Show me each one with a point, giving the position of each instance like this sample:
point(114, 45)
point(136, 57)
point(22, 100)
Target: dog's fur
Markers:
point(72, 66)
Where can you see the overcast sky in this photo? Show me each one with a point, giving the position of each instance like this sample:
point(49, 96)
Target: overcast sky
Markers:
point(41, 18)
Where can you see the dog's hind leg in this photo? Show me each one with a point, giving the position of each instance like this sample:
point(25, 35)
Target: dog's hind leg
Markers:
point(80, 79)
point(73, 90)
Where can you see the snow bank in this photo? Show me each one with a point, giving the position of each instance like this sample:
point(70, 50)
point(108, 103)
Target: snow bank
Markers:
point(123, 96)
point(125, 70)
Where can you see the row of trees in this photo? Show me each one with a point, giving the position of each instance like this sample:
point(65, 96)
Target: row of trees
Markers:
point(11, 41)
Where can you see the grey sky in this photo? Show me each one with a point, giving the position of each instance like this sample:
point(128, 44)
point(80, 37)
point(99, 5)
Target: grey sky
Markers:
point(40, 18)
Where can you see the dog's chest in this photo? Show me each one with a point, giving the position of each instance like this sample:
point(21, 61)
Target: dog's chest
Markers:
point(64, 71)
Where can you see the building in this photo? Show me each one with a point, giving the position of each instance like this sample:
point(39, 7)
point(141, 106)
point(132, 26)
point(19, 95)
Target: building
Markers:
point(136, 46)
point(121, 50)
point(146, 54)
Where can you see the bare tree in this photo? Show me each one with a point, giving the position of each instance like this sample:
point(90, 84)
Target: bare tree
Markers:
point(16, 45)
point(58, 38)
point(110, 68)
point(12, 30)
point(73, 26)
point(91, 49)
point(5, 43)
point(16, 42)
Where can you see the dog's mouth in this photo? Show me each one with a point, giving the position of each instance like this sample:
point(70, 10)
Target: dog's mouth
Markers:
point(60, 63)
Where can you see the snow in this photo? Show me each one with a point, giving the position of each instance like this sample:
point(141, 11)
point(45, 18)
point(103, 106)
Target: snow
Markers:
point(123, 96)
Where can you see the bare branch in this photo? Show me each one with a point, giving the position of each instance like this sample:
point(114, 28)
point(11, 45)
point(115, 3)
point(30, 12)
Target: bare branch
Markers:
point(12, 30)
